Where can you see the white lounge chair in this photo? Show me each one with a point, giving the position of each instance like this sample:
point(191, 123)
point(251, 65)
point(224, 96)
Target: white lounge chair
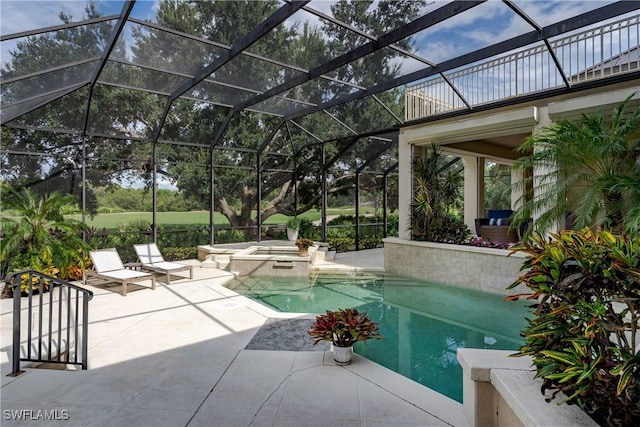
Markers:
point(151, 258)
point(108, 266)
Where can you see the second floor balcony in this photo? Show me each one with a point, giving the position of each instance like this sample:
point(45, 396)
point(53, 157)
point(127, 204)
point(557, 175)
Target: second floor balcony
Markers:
point(593, 54)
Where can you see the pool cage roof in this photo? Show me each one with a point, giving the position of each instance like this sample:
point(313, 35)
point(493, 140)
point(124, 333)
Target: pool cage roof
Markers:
point(214, 72)
point(260, 61)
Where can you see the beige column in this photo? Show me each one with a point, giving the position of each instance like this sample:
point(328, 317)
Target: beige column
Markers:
point(405, 184)
point(516, 190)
point(473, 189)
point(539, 171)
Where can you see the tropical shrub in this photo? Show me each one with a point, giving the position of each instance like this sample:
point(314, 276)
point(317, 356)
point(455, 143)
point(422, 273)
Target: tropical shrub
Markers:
point(308, 230)
point(436, 196)
point(392, 224)
point(342, 233)
point(370, 242)
point(182, 235)
point(587, 168)
point(340, 244)
point(35, 235)
point(584, 337)
point(172, 253)
point(229, 236)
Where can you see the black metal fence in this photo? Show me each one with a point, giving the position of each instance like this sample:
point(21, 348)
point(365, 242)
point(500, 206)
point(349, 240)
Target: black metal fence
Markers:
point(51, 327)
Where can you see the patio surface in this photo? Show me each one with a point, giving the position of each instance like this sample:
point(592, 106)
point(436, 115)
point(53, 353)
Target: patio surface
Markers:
point(185, 355)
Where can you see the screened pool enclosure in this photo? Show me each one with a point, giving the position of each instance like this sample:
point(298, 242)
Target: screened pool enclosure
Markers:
point(274, 106)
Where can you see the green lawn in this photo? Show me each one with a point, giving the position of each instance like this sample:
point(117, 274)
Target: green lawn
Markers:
point(115, 220)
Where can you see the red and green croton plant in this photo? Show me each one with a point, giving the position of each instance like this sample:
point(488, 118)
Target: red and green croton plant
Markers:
point(583, 339)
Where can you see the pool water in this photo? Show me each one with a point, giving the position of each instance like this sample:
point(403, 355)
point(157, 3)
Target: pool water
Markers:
point(423, 323)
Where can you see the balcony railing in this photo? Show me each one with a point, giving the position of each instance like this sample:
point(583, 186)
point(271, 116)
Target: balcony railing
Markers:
point(593, 54)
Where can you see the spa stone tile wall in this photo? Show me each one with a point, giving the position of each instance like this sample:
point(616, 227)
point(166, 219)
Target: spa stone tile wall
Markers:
point(484, 269)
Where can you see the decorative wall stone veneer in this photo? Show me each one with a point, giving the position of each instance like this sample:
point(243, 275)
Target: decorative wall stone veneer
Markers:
point(486, 269)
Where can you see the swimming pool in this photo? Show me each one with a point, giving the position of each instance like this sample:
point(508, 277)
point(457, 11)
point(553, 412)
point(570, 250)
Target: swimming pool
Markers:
point(423, 323)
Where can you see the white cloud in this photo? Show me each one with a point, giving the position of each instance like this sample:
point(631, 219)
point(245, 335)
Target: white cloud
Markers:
point(548, 12)
point(483, 12)
point(323, 6)
point(492, 22)
point(146, 10)
point(438, 51)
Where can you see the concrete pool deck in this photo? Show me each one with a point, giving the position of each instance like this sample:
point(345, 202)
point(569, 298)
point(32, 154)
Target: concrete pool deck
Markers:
point(177, 356)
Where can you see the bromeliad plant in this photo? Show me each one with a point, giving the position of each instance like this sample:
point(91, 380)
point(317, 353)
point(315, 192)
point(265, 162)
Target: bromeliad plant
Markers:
point(344, 327)
point(584, 337)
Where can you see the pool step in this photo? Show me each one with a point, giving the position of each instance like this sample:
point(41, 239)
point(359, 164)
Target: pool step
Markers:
point(360, 277)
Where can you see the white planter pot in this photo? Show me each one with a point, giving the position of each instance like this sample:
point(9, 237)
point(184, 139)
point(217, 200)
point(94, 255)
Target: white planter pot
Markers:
point(292, 234)
point(342, 355)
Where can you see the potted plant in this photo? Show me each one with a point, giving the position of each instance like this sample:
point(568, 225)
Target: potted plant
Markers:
point(303, 245)
point(343, 328)
point(293, 225)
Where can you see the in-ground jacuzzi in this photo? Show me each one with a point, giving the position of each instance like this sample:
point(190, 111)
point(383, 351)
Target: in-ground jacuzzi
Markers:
point(280, 261)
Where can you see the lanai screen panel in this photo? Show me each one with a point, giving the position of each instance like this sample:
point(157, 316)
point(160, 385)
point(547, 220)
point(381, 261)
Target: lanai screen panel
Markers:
point(197, 127)
point(280, 146)
point(132, 76)
point(372, 180)
point(324, 126)
point(36, 159)
point(363, 115)
point(280, 106)
point(310, 30)
point(64, 114)
point(37, 68)
point(172, 52)
point(44, 50)
point(377, 67)
point(387, 157)
point(253, 73)
point(324, 89)
point(122, 112)
point(300, 137)
point(222, 94)
point(119, 160)
point(39, 86)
